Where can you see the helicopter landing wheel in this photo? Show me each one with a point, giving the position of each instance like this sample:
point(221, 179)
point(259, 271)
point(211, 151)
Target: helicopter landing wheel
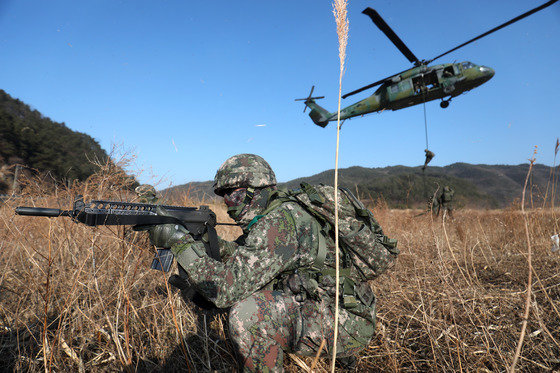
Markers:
point(444, 104)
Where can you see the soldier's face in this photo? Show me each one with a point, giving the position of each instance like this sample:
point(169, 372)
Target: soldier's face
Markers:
point(235, 197)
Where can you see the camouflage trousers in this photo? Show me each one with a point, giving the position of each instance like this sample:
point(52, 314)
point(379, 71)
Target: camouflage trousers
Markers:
point(445, 207)
point(269, 323)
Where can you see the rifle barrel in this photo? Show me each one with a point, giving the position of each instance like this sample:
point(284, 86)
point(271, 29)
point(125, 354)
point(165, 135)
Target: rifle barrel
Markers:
point(40, 211)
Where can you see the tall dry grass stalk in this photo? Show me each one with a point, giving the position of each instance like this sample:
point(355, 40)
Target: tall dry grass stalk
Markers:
point(554, 181)
point(340, 12)
point(530, 274)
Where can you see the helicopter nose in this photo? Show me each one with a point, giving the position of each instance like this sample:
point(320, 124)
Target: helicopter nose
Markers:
point(488, 72)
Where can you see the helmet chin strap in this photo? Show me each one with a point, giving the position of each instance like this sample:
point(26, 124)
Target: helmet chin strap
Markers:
point(235, 211)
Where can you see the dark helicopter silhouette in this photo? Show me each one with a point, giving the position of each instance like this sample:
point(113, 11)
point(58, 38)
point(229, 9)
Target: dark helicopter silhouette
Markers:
point(416, 85)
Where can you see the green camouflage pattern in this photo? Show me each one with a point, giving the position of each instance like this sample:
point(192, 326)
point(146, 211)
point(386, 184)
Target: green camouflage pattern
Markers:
point(269, 323)
point(447, 195)
point(268, 317)
point(429, 156)
point(445, 201)
point(146, 194)
point(271, 247)
point(243, 171)
point(361, 237)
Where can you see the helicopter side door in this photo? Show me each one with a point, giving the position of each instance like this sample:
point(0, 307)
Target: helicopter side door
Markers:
point(450, 75)
point(424, 83)
point(398, 92)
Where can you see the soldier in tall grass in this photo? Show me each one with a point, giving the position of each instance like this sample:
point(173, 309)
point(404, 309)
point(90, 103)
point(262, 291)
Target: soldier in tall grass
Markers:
point(277, 278)
point(445, 201)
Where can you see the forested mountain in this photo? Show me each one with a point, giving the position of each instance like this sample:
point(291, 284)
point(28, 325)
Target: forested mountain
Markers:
point(197, 190)
point(30, 139)
point(488, 186)
point(475, 185)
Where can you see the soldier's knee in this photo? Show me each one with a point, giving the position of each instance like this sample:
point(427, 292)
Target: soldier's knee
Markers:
point(241, 313)
point(244, 314)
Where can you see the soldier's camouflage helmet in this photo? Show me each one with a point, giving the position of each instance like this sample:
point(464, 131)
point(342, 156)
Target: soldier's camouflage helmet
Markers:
point(145, 190)
point(243, 171)
point(146, 193)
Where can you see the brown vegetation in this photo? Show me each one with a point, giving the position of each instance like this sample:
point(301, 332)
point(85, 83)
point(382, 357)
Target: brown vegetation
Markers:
point(76, 298)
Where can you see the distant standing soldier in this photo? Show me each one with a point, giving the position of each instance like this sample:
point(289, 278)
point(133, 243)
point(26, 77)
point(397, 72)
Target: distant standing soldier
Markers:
point(146, 194)
point(445, 201)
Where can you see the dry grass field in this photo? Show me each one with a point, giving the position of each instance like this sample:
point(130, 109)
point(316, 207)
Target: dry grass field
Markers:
point(76, 298)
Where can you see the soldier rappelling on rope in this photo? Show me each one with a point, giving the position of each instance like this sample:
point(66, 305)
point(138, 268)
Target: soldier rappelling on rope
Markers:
point(429, 156)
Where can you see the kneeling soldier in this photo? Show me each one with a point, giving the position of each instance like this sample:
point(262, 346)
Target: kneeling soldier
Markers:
point(277, 278)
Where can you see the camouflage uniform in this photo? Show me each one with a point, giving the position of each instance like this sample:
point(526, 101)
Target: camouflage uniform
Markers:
point(445, 201)
point(429, 156)
point(276, 306)
point(146, 193)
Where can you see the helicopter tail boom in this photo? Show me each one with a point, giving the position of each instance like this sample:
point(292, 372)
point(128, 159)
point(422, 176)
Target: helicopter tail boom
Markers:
point(318, 114)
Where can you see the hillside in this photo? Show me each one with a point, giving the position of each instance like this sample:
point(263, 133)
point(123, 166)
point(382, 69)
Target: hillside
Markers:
point(196, 190)
point(475, 185)
point(488, 186)
point(30, 139)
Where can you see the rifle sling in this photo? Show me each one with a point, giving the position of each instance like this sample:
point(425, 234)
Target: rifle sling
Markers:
point(213, 246)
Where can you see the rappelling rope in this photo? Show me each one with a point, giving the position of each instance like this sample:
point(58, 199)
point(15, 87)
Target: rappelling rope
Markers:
point(426, 132)
point(425, 118)
point(426, 123)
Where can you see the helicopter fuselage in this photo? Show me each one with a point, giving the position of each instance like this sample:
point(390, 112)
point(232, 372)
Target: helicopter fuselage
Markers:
point(418, 85)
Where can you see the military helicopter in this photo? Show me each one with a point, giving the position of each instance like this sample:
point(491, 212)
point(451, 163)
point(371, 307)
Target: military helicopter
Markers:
point(416, 85)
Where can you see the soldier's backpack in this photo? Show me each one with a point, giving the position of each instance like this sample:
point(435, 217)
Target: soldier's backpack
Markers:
point(367, 252)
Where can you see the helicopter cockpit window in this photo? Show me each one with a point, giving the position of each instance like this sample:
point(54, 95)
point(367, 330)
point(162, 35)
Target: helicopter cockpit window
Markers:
point(448, 71)
point(394, 88)
point(467, 65)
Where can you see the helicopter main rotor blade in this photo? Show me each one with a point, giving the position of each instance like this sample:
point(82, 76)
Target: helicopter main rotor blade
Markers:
point(366, 87)
point(383, 26)
point(372, 84)
point(526, 14)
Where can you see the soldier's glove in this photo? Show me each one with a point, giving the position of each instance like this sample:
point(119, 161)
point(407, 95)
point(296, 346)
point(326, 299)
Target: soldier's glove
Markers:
point(177, 238)
point(168, 235)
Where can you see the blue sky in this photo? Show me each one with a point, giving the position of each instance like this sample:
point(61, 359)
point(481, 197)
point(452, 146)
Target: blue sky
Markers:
point(186, 84)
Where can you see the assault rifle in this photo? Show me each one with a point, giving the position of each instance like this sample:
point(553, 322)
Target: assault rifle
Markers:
point(199, 221)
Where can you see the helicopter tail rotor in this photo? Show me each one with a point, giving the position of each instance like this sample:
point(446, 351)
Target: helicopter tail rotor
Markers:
point(309, 99)
point(318, 114)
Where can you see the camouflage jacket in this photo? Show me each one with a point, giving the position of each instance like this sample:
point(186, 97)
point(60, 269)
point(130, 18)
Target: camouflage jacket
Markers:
point(446, 196)
point(280, 242)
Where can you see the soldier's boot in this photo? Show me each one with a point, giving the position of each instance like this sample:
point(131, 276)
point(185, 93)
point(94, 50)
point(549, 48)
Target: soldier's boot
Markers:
point(348, 363)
